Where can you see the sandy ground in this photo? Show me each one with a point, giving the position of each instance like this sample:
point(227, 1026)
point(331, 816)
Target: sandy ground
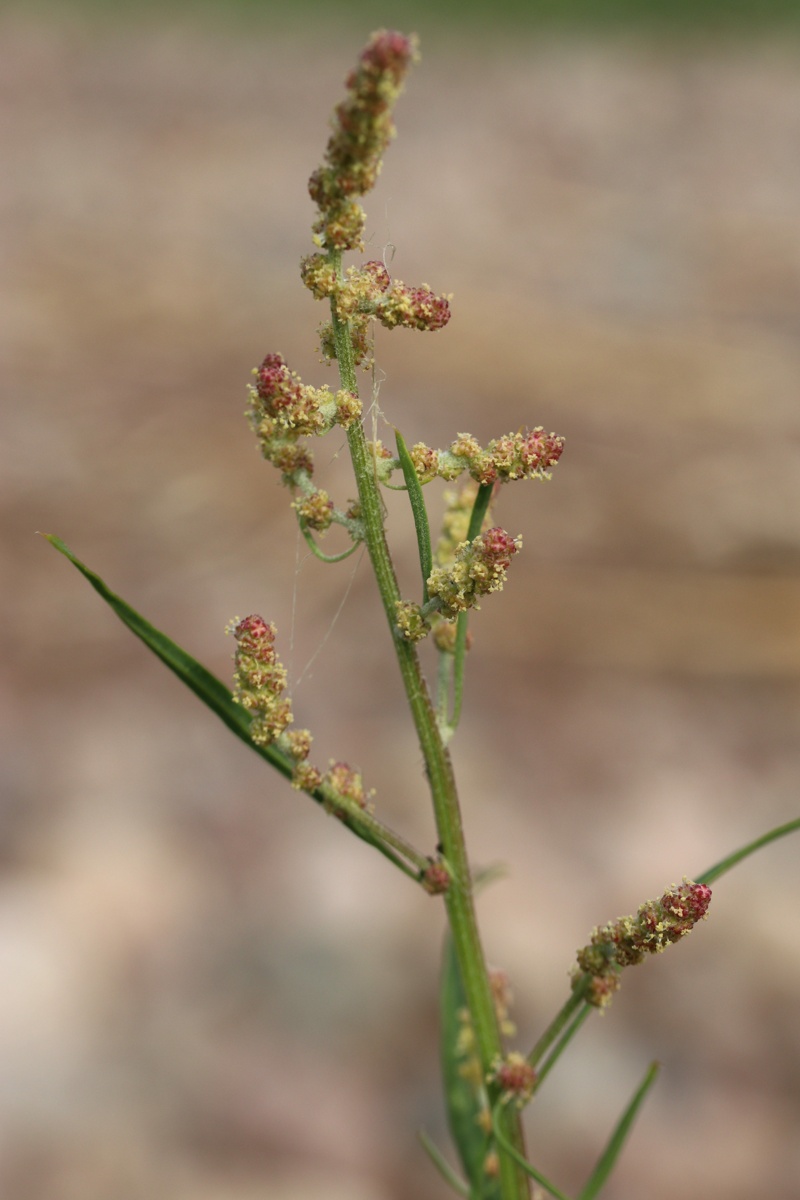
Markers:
point(209, 991)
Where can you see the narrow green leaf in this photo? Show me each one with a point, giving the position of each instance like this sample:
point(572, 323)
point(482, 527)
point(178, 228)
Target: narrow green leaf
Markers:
point(419, 511)
point(479, 510)
point(738, 855)
point(464, 1098)
point(442, 1165)
point(561, 1045)
point(612, 1151)
point(205, 686)
point(216, 696)
point(527, 1167)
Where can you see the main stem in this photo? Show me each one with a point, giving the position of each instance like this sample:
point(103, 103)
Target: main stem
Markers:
point(459, 896)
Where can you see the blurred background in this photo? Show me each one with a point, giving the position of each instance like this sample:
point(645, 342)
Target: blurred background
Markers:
point(209, 990)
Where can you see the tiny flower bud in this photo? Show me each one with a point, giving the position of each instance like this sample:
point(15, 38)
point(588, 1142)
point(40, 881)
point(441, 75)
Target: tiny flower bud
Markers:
point(491, 1164)
point(503, 997)
point(319, 275)
point(359, 323)
point(290, 459)
point(515, 1077)
point(414, 308)
point(425, 461)
point(306, 778)
point(346, 782)
point(298, 743)
point(378, 274)
point(465, 446)
point(260, 679)
point(411, 624)
point(445, 634)
point(348, 408)
point(436, 878)
point(315, 510)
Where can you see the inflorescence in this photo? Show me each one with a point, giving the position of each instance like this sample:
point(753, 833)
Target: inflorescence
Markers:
point(284, 412)
point(260, 683)
point(629, 940)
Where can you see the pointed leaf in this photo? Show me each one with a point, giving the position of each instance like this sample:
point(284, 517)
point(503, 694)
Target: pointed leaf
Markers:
point(219, 699)
point(527, 1167)
point(420, 512)
point(615, 1143)
point(464, 1097)
point(479, 510)
point(206, 686)
point(732, 859)
point(443, 1166)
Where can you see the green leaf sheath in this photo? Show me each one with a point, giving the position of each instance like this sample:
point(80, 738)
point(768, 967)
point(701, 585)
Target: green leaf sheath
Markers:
point(419, 511)
point(216, 696)
point(611, 1153)
point(463, 1099)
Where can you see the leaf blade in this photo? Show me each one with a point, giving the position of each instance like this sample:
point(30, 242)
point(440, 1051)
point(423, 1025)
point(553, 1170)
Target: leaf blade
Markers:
point(463, 1101)
point(527, 1167)
point(419, 512)
point(731, 860)
point(608, 1158)
point(213, 693)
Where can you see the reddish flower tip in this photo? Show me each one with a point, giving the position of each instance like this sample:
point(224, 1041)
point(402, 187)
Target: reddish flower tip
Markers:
point(390, 52)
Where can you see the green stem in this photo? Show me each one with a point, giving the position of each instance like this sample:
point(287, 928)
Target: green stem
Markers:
point(560, 1046)
point(562, 1018)
point(528, 1167)
point(320, 554)
point(439, 770)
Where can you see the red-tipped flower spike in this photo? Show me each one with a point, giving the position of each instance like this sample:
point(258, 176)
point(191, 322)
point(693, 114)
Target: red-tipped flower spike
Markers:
point(362, 129)
point(623, 943)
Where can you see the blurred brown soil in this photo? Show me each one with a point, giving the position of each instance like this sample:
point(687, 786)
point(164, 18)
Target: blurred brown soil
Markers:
point(209, 991)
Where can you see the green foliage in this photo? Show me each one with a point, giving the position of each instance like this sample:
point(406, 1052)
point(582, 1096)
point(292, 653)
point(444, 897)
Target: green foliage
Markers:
point(465, 1102)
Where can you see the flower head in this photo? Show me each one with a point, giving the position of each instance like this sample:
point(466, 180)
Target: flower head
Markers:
point(626, 942)
point(478, 567)
point(515, 1077)
point(260, 678)
point(362, 129)
point(413, 307)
